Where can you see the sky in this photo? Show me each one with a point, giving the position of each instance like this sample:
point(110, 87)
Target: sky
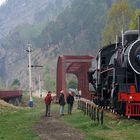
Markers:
point(2, 1)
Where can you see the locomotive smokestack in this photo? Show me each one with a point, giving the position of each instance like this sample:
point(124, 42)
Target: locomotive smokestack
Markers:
point(139, 25)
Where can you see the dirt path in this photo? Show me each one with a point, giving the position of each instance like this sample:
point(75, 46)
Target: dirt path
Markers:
point(52, 128)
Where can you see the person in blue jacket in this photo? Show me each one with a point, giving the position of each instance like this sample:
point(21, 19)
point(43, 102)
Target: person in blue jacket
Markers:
point(70, 101)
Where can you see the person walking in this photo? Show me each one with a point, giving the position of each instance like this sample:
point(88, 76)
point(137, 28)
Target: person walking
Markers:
point(70, 100)
point(61, 103)
point(48, 100)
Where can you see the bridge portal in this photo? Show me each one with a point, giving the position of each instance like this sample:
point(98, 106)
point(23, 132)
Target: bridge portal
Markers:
point(77, 65)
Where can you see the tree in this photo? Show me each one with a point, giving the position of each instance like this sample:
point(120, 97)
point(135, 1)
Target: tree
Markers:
point(134, 21)
point(1, 83)
point(15, 84)
point(118, 18)
point(49, 80)
point(72, 84)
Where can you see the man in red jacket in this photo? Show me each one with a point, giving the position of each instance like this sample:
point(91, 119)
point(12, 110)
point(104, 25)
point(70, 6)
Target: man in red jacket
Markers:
point(48, 100)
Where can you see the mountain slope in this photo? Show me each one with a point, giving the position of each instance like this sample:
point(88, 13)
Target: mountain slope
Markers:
point(16, 12)
point(22, 20)
point(53, 27)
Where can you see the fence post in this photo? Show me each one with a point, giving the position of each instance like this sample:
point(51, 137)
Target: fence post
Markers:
point(78, 104)
point(84, 108)
point(102, 117)
point(98, 115)
point(89, 110)
point(92, 113)
point(79, 107)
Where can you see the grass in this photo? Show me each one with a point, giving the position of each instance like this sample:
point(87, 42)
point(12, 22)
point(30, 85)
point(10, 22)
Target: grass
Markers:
point(18, 124)
point(113, 129)
point(17, 127)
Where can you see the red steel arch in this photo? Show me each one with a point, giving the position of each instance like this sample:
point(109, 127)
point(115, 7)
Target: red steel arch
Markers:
point(78, 65)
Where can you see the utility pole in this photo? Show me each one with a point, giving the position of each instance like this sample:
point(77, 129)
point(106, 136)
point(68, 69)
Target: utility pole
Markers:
point(30, 76)
point(40, 94)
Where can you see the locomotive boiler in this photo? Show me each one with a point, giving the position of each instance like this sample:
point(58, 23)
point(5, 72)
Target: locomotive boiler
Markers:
point(116, 79)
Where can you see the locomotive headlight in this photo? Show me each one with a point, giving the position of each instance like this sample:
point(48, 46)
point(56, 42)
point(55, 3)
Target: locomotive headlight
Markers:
point(130, 97)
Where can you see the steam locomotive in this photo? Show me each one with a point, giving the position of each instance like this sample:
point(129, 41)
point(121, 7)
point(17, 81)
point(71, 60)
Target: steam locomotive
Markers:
point(116, 78)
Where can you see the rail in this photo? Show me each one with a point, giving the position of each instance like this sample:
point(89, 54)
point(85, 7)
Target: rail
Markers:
point(92, 110)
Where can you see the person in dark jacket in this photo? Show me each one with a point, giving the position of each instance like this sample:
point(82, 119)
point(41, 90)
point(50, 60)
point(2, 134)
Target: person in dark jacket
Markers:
point(48, 100)
point(62, 103)
point(70, 100)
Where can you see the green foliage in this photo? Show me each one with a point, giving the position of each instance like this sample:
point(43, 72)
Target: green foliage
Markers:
point(49, 80)
point(1, 83)
point(118, 18)
point(15, 84)
point(75, 25)
point(133, 25)
point(31, 31)
point(72, 84)
point(18, 124)
point(23, 34)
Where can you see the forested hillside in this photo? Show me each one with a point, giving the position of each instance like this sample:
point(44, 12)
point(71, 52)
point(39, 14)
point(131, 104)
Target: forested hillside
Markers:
point(53, 27)
point(122, 16)
point(77, 28)
point(18, 12)
point(21, 21)
point(68, 25)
